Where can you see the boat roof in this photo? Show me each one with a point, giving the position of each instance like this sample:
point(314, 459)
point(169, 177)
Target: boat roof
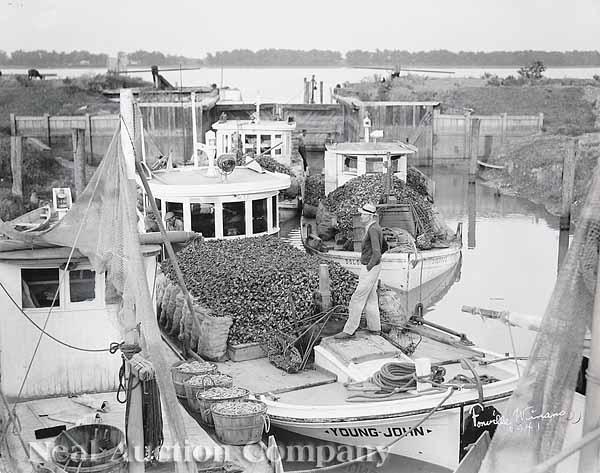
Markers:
point(56, 254)
point(377, 148)
point(192, 181)
point(250, 125)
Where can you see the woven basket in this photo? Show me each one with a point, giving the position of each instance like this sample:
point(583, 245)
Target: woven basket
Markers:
point(208, 381)
point(179, 377)
point(205, 404)
point(241, 429)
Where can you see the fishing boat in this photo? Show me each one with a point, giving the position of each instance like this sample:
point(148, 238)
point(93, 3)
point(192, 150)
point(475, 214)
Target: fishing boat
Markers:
point(367, 405)
point(401, 269)
point(35, 220)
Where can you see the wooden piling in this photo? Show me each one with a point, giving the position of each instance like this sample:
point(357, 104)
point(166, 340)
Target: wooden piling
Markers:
point(16, 165)
point(48, 131)
point(321, 90)
point(568, 188)
point(78, 138)
point(88, 127)
point(475, 125)
point(471, 214)
point(324, 290)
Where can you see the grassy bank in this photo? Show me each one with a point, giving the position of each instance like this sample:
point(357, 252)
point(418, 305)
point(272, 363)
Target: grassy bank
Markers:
point(533, 165)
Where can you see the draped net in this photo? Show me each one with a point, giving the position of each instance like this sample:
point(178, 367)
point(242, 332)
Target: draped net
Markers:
point(549, 381)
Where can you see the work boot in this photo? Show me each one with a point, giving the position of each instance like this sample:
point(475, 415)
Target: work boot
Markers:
point(342, 335)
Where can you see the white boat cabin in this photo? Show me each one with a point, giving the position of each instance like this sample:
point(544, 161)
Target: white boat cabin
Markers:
point(345, 161)
point(272, 137)
point(84, 315)
point(242, 204)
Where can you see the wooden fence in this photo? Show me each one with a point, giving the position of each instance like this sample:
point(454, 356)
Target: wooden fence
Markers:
point(452, 133)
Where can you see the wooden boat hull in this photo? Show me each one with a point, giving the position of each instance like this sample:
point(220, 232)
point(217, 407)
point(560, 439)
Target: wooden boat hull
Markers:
point(402, 271)
point(36, 220)
point(436, 441)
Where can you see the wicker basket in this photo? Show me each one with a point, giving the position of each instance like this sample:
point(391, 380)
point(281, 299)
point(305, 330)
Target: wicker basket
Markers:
point(179, 377)
point(208, 381)
point(204, 404)
point(240, 429)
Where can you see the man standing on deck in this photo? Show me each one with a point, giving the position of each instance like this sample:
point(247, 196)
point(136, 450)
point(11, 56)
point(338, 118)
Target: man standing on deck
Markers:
point(173, 223)
point(365, 296)
point(302, 149)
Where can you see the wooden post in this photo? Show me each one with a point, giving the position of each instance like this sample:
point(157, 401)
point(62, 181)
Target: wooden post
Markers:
point(541, 121)
point(306, 91)
point(135, 430)
point(194, 130)
point(88, 126)
point(472, 214)
point(467, 135)
point(475, 125)
point(16, 165)
point(503, 128)
point(321, 90)
point(13, 125)
point(48, 133)
point(568, 187)
point(324, 291)
point(78, 138)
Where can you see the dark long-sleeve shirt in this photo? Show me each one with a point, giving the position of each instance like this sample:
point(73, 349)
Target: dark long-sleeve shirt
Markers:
point(371, 246)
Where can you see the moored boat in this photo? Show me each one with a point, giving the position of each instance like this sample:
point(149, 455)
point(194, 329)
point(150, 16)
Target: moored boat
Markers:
point(404, 267)
point(35, 220)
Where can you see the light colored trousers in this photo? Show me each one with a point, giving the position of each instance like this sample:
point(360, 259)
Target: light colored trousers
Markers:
point(364, 298)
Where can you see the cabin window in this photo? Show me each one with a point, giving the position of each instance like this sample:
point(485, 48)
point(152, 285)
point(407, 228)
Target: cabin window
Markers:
point(279, 150)
point(203, 219)
point(374, 165)
point(396, 164)
point(275, 211)
point(259, 216)
point(39, 287)
point(350, 164)
point(158, 204)
point(250, 143)
point(234, 218)
point(265, 143)
point(82, 285)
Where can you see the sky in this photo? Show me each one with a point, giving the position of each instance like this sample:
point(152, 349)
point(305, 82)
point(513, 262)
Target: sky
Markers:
point(194, 28)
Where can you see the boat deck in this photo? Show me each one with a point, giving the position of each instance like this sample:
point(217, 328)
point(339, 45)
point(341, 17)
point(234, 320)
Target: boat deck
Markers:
point(259, 376)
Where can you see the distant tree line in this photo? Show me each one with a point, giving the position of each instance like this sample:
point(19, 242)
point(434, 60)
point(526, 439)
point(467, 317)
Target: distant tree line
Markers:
point(294, 57)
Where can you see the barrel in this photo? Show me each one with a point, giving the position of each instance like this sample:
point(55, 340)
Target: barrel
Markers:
point(90, 448)
point(397, 216)
point(240, 428)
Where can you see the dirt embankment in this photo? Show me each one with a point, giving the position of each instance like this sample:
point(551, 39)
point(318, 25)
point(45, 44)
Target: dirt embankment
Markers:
point(41, 169)
point(533, 165)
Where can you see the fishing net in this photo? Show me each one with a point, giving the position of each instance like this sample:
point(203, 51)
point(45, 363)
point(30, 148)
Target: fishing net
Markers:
point(103, 223)
point(537, 415)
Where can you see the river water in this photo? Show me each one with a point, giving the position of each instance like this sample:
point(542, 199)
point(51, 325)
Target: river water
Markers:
point(286, 85)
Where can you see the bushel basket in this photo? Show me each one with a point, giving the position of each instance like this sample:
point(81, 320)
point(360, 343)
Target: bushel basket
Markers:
point(241, 422)
point(201, 383)
point(216, 395)
point(184, 370)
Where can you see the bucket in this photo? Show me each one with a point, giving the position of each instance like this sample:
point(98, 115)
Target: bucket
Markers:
point(240, 428)
point(209, 397)
point(201, 383)
point(90, 448)
point(184, 370)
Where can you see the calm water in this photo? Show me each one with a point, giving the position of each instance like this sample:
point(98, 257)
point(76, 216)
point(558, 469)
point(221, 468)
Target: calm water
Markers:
point(285, 85)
